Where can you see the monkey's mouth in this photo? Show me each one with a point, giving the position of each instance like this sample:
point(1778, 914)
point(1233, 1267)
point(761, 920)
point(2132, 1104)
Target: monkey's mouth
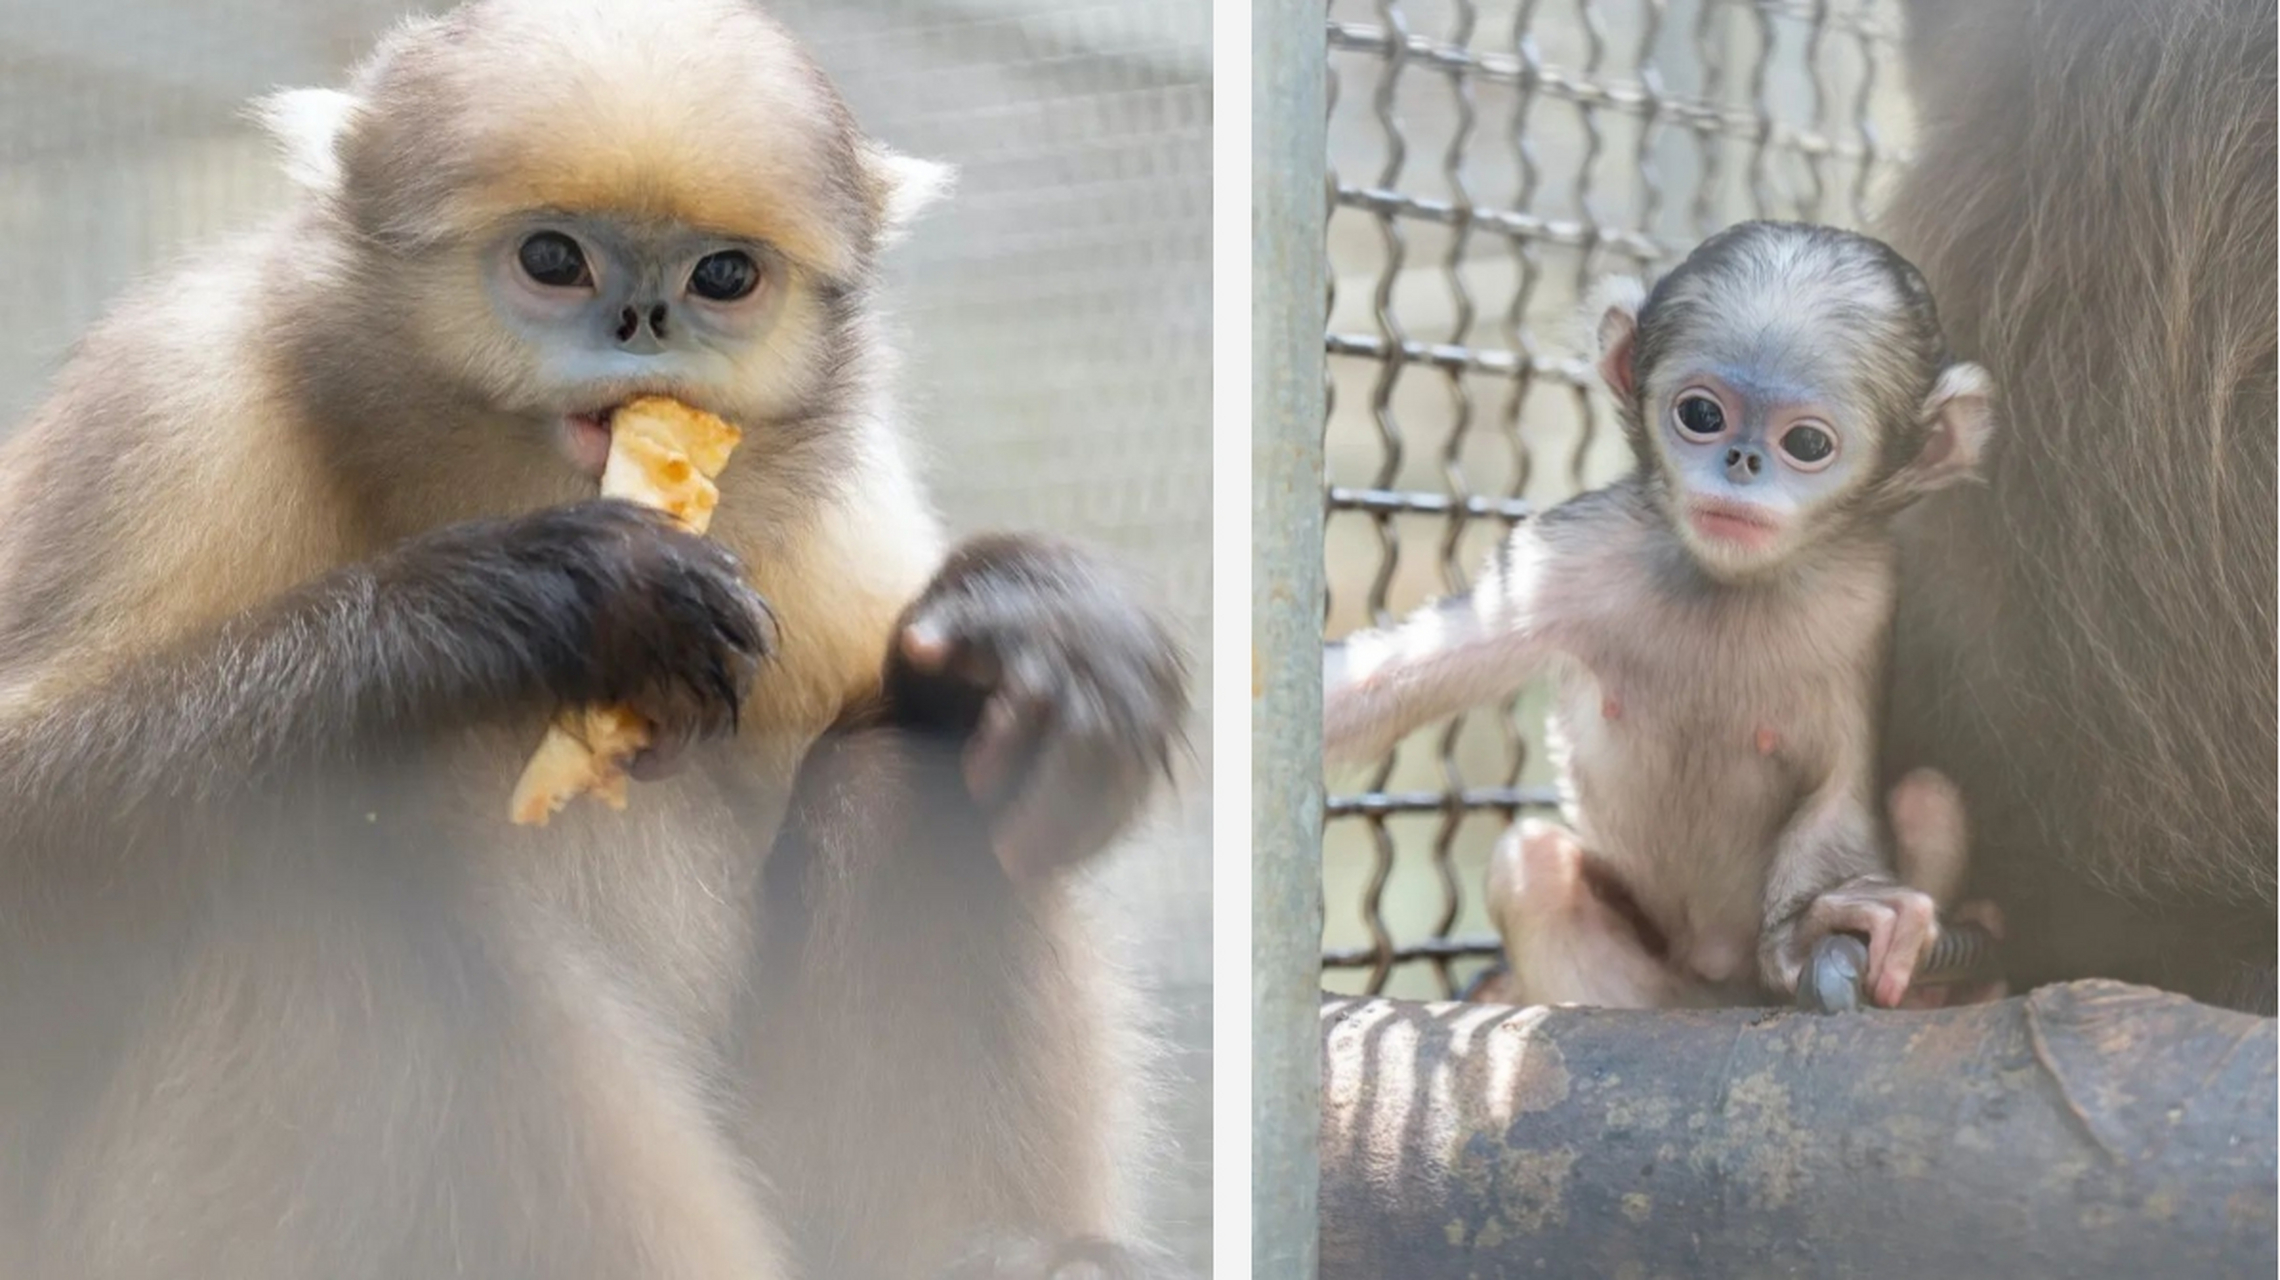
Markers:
point(1733, 524)
point(586, 439)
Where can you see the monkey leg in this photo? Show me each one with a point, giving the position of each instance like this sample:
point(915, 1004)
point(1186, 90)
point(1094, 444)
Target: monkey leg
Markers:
point(1571, 934)
point(939, 1063)
point(946, 1069)
point(1931, 843)
point(1931, 848)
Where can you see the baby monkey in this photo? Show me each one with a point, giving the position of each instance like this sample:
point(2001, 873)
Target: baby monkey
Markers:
point(1716, 624)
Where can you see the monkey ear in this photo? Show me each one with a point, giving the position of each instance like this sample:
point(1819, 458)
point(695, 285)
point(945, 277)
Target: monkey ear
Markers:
point(903, 187)
point(308, 124)
point(1961, 413)
point(1617, 301)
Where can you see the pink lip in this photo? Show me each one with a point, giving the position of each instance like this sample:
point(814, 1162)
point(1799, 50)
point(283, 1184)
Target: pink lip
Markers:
point(1738, 525)
point(586, 438)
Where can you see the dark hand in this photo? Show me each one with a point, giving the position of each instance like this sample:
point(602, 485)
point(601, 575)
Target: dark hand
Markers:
point(611, 604)
point(1067, 696)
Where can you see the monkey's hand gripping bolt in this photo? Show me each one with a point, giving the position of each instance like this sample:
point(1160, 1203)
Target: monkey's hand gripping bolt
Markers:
point(1836, 974)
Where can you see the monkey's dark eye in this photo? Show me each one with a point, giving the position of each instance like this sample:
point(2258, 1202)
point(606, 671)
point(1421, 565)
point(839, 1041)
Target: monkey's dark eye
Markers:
point(554, 259)
point(1700, 416)
point(1808, 444)
point(725, 276)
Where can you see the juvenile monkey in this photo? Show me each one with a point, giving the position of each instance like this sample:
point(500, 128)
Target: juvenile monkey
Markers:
point(303, 552)
point(1716, 624)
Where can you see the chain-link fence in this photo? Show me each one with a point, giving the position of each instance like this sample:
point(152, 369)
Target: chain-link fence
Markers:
point(1488, 160)
point(1057, 311)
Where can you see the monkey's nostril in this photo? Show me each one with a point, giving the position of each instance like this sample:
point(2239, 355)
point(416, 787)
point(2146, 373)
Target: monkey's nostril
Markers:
point(629, 323)
point(657, 319)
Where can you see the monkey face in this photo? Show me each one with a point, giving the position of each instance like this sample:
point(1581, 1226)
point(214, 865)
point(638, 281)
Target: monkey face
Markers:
point(598, 308)
point(1784, 385)
point(562, 204)
point(1754, 465)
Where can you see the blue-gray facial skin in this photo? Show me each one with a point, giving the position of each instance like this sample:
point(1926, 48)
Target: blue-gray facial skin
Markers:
point(1754, 453)
point(608, 301)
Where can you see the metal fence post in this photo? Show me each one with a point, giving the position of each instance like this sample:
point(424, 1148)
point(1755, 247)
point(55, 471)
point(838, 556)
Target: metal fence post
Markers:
point(1288, 292)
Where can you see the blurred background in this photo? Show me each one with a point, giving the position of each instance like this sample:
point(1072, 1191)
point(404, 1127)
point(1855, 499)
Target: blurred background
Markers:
point(1489, 160)
point(1057, 310)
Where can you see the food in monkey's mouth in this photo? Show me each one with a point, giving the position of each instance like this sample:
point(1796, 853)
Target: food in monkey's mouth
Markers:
point(662, 454)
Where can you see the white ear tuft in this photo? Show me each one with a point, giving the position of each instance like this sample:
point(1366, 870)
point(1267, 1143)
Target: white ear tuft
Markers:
point(1612, 293)
point(907, 187)
point(1613, 317)
point(1961, 411)
point(308, 124)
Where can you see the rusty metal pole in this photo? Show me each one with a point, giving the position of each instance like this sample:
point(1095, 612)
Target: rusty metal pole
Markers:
point(2093, 1130)
point(1289, 58)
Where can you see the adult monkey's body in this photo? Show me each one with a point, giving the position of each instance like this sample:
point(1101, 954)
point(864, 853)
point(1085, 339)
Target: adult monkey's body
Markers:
point(2086, 644)
point(301, 555)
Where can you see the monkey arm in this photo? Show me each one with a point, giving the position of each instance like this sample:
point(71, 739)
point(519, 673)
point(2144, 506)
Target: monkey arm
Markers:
point(341, 678)
point(1831, 872)
point(1450, 656)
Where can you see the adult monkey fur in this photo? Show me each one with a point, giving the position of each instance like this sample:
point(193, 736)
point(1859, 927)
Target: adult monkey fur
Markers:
point(303, 552)
point(2086, 643)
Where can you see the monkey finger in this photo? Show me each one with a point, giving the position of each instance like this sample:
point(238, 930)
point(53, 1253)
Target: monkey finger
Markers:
point(925, 646)
point(1074, 804)
point(943, 641)
point(1909, 926)
point(663, 757)
point(1079, 786)
point(1025, 707)
point(988, 761)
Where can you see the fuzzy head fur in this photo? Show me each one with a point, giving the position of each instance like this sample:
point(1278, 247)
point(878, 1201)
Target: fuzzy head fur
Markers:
point(1788, 323)
point(666, 129)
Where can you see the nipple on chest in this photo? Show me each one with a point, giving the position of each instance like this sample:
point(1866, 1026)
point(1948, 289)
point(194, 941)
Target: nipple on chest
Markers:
point(1610, 708)
point(1767, 740)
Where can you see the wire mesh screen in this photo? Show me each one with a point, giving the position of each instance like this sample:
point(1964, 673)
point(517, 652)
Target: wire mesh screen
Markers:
point(1489, 160)
point(1056, 311)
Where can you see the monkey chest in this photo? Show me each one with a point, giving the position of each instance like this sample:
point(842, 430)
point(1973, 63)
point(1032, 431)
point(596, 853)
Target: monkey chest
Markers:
point(1681, 771)
point(1700, 729)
